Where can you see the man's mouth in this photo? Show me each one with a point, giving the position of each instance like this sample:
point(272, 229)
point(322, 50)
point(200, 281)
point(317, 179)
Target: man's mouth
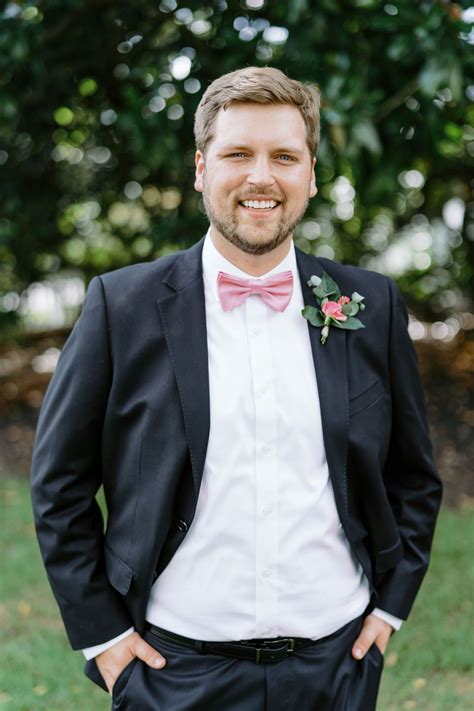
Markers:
point(259, 204)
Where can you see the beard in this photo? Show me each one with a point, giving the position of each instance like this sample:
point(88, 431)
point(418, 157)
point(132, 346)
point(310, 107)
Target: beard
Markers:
point(226, 221)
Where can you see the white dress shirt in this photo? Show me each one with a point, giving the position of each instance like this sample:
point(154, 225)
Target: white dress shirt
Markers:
point(265, 555)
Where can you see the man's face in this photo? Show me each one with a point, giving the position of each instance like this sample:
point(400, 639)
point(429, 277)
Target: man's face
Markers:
point(257, 176)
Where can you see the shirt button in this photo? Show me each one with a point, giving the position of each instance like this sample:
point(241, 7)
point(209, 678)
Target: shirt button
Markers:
point(266, 510)
point(261, 390)
point(266, 572)
point(265, 449)
point(256, 331)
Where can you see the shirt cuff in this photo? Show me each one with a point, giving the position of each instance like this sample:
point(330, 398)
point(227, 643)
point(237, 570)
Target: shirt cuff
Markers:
point(91, 652)
point(395, 622)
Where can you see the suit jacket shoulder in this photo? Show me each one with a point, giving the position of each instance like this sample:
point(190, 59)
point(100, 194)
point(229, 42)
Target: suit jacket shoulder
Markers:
point(140, 275)
point(157, 278)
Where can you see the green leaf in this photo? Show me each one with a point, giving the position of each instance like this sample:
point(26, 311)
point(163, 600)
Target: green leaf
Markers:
point(455, 79)
point(365, 134)
point(352, 323)
point(319, 292)
point(313, 315)
point(295, 9)
point(432, 76)
point(357, 297)
point(329, 287)
point(314, 280)
point(350, 309)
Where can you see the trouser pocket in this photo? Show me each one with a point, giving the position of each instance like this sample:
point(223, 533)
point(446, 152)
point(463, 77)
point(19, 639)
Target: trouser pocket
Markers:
point(121, 685)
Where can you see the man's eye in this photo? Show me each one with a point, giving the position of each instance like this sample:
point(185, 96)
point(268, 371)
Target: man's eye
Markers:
point(283, 156)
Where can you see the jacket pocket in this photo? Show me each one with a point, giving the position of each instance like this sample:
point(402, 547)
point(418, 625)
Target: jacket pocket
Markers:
point(367, 398)
point(119, 573)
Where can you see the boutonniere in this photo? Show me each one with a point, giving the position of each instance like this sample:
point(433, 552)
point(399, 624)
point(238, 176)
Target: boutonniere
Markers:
point(333, 308)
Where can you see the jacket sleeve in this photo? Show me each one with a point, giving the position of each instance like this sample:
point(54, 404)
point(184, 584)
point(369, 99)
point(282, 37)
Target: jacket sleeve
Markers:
point(66, 473)
point(412, 482)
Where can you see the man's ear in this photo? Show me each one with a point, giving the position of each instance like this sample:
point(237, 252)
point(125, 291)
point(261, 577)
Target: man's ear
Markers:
point(312, 185)
point(199, 162)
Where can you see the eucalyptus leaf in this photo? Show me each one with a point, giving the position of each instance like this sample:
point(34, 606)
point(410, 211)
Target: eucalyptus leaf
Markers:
point(314, 280)
point(350, 309)
point(353, 323)
point(357, 297)
point(313, 315)
point(329, 286)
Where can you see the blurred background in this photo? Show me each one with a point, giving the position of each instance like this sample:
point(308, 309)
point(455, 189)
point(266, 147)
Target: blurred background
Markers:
point(97, 100)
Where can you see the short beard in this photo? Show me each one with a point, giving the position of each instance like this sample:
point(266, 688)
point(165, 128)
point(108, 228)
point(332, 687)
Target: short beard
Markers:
point(227, 225)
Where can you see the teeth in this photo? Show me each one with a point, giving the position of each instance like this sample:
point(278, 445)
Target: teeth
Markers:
point(259, 204)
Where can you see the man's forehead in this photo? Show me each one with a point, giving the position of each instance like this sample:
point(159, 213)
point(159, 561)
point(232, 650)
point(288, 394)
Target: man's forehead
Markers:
point(272, 123)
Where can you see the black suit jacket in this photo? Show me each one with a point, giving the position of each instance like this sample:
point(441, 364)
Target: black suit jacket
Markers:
point(128, 407)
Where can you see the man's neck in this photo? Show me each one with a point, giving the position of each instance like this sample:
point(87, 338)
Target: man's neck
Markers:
point(252, 264)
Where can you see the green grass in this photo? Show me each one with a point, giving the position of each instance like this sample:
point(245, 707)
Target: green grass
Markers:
point(428, 663)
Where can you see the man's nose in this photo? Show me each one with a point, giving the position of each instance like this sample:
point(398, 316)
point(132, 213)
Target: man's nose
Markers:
point(261, 172)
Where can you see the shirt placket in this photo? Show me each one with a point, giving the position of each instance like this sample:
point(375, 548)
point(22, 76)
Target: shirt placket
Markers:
point(266, 470)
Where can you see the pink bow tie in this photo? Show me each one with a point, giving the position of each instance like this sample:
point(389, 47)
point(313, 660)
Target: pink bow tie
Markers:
point(275, 291)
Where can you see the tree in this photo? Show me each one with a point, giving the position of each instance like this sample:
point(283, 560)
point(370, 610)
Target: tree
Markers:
point(96, 146)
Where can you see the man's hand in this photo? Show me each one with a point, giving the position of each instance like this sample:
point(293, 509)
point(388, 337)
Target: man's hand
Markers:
point(114, 660)
point(374, 631)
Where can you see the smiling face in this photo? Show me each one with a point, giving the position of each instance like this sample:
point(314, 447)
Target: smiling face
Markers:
point(257, 175)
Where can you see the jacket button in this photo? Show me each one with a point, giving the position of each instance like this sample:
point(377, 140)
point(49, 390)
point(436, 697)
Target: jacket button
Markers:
point(182, 526)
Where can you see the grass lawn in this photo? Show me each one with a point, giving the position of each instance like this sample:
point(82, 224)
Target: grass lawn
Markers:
point(428, 664)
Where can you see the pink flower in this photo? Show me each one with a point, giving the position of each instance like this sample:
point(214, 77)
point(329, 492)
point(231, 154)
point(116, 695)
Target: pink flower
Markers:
point(333, 309)
point(343, 300)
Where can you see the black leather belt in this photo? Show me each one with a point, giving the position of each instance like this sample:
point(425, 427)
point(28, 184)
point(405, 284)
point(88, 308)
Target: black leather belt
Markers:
point(260, 651)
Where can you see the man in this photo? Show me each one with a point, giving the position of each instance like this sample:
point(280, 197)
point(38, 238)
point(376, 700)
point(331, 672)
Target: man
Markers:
point(271, 498)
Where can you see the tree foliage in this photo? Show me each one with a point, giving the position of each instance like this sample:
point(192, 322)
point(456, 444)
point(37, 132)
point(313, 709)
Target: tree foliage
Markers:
point(96, 145)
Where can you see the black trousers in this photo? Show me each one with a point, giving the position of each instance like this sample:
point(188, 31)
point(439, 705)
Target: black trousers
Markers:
point(320, 677)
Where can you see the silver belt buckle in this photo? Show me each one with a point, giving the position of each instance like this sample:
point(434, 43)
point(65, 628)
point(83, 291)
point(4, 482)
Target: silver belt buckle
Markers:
point(290, 647)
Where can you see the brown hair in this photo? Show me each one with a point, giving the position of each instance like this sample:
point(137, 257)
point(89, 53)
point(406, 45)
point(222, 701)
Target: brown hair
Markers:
point(257, 85)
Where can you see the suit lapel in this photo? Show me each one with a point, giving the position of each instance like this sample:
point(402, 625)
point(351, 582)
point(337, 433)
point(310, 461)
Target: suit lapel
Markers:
point(183, 314)
point(330, 364)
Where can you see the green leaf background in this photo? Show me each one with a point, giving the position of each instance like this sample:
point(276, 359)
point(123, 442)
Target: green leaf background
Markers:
point(96, 133)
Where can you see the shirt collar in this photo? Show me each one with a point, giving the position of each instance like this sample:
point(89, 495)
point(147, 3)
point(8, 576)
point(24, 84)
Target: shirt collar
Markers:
point(213, 262)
